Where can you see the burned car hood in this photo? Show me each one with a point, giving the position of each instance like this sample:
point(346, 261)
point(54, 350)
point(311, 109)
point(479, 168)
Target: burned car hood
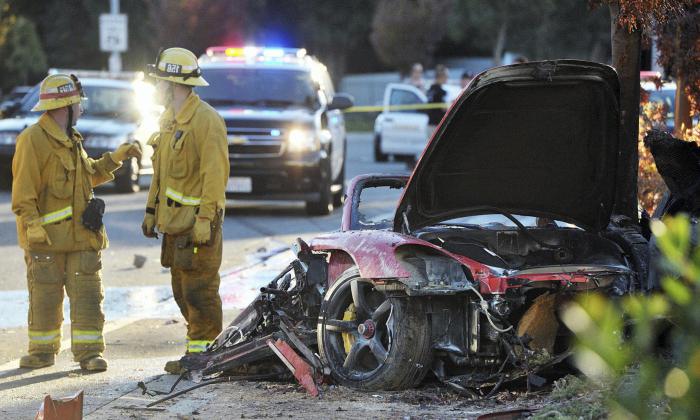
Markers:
point(539, 139)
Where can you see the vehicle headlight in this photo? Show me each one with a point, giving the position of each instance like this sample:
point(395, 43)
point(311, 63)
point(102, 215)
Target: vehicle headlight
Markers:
point(302, 140)
point(8, 137)
point(104, 142)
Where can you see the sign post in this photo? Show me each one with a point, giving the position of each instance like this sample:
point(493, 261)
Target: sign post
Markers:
point(114, 35)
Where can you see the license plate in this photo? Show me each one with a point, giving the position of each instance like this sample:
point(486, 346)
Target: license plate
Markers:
point(237, 140)
point(239, 184)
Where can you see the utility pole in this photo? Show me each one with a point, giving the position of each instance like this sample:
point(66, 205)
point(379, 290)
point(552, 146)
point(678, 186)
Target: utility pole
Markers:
point(115, 58)
point(114, 35)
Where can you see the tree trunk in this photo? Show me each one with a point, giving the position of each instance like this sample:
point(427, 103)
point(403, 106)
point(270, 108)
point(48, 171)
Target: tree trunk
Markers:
point(681, 118)
point(626, 59)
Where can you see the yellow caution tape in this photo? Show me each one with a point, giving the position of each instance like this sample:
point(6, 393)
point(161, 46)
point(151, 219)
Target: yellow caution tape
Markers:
point(380, 108)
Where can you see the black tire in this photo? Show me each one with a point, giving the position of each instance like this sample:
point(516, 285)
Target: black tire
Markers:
point(128, 179)
point(389, 350)
point(378, 155)
point(5, 178)
point(324, 205)
point(339, 196)
point(636, 249)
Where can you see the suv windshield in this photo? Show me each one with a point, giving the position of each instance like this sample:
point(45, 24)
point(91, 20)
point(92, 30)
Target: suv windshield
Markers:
point(103, 102)
point(259, 87)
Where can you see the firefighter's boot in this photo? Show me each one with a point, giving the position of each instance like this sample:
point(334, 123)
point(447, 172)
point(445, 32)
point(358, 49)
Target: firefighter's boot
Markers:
point(37, 360)
point(174, 367)
point(94, 364)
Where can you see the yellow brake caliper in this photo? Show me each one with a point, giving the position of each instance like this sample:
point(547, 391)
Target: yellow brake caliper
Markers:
point(348, 338)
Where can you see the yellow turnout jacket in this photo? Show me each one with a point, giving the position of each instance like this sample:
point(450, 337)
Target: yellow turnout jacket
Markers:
point(191, 167)
point(52, 182)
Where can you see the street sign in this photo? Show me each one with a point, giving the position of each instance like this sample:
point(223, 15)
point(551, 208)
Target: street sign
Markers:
point(113, 32)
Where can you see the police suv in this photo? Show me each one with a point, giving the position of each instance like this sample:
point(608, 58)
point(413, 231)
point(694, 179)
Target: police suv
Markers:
point(286, 132)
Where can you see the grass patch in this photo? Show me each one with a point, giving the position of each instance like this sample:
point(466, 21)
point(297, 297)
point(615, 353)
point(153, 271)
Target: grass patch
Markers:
point(575, 398)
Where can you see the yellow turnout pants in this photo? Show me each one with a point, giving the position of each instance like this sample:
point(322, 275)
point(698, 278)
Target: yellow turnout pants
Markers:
point(47, 275)
point(195, 282)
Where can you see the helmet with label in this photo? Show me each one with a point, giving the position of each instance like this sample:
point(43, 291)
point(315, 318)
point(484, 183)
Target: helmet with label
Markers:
point(177, 65)
point(57, 91)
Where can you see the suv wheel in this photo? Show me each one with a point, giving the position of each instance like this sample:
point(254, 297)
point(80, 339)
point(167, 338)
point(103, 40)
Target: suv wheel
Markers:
point(324, 205)
point(128, 180)
point(339, 195)
point(378, 155)
point(5, 178)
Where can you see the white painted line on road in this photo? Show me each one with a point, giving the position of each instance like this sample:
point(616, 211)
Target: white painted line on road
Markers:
point(66, 342)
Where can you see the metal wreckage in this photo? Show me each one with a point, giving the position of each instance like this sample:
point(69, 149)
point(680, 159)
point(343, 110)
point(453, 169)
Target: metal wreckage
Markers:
point(465, 281)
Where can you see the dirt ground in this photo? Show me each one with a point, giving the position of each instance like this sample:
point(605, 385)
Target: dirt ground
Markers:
point(288, 400)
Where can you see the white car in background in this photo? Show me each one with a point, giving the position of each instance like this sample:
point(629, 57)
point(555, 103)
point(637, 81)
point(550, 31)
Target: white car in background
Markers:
point(403, 133)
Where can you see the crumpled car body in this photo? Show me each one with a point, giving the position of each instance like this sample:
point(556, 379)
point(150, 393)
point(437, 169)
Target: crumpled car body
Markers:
point(510, 213)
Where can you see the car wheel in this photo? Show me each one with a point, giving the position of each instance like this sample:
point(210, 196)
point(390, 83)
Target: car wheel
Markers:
point(324, 205)
point(378, 155)
point(636, 249)
point(128, 180)
point(372, 341)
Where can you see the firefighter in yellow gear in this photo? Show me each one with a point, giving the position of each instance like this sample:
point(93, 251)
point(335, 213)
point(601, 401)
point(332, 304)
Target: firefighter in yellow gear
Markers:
point(52, 184)
point(186, 200)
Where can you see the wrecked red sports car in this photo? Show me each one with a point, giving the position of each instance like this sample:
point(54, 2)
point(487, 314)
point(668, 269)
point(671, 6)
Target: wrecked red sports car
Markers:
point(509, 213)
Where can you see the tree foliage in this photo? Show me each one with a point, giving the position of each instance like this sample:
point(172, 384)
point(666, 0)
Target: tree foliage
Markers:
point(644, 14)
point(198, 24)
point(678, 42)
point(22, 58)
point(407, 31)
point(332, 30)
point(645, 385)
point(540, 29)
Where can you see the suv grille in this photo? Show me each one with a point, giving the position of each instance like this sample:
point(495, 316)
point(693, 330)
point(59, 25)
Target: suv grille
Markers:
point(255, 138)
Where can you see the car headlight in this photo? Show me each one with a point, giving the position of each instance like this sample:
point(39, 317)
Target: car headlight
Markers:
point(302, 140)
point(104, 142)
point(8, 137)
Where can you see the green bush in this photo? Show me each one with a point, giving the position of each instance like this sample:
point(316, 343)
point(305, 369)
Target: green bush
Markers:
point(618, 340)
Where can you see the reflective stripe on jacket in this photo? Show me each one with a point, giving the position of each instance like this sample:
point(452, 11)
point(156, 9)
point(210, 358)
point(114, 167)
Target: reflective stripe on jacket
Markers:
point(191, 166)
point(52, 184)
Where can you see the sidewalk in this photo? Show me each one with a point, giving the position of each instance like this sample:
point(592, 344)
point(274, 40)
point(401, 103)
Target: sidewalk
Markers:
point(144, 330)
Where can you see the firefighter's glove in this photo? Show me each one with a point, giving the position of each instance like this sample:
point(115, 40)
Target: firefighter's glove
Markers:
point(126, 151)
point(36, 234)
point(201, 233)
point(149, 226)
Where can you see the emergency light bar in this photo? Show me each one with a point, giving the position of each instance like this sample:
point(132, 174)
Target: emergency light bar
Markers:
point(255, 53)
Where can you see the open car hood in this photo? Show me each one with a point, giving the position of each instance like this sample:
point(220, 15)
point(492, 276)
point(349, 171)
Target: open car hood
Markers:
point(540, 139)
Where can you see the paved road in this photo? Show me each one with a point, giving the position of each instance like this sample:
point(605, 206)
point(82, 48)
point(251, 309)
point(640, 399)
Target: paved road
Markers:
point(248, 227)
point(139, 338)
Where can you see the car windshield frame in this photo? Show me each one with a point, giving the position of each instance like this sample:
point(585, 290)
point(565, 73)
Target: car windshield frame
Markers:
point(500, 221)
point(260, 88)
